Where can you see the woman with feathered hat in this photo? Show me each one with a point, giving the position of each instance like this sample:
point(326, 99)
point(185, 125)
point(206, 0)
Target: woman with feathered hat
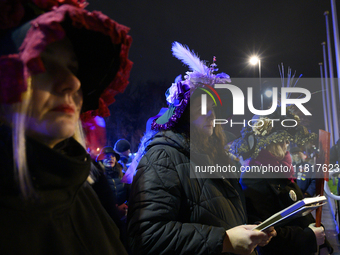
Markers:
point(171, 211)
point(56, 61)
point(263, 146)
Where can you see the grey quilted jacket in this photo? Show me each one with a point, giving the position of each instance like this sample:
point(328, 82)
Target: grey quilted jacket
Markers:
point(171, 213)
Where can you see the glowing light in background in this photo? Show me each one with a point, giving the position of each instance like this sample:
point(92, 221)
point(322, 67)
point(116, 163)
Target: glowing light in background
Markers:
point(254, 60)
point(268, 93)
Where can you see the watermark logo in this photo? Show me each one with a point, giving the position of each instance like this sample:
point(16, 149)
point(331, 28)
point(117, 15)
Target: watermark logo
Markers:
point(238, 100)
point(204, 99)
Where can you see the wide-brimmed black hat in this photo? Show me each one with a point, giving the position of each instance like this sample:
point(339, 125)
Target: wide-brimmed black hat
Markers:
point(107, 150)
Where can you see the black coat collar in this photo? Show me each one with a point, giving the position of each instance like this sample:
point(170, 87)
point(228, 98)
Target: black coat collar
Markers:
point(65, 167)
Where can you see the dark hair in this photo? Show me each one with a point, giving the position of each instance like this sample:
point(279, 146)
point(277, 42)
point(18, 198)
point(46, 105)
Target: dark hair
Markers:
point(119, 168)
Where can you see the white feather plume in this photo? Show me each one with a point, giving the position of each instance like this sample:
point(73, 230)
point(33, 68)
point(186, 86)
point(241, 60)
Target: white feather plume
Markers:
point(189, 58)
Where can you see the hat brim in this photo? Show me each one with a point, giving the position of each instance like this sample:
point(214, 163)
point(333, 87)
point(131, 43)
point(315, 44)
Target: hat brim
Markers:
point(101, 156)
point(98, 61)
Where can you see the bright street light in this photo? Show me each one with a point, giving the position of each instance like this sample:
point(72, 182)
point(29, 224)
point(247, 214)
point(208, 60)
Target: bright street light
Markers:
point(268, 93)
point(254, 60)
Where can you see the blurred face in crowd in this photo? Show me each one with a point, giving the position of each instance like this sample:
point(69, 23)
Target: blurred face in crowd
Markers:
point(295, 157)
point(126, 153)
point(56, 98)
point(204, 123)
point(109, 160)
point(298, 156)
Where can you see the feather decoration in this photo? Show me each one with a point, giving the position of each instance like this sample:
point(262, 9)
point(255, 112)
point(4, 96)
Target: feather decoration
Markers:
point(178, 78)
point(131, 171)
point(189, 58)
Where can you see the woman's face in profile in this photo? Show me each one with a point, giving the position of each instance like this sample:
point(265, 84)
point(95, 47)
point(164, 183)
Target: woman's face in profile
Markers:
point(56, 98)
point(204, 123)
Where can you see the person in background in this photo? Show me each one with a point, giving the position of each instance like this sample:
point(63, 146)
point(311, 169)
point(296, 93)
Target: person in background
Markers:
point(172, 211)
point(113, 172)
point(303, 172)
point(122, 147)
point(52, 68)
point(268, 192)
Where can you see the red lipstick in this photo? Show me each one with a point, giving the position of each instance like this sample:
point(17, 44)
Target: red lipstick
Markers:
point(66, 108)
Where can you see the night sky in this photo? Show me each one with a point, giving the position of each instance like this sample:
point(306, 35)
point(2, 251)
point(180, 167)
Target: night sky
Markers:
point(289, 31)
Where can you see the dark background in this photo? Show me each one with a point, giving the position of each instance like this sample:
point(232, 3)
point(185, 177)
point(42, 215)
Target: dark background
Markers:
point(289, 31)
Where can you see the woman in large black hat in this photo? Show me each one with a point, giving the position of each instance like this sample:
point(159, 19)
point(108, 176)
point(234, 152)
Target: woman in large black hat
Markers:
point(57, 61)
point(114, 173)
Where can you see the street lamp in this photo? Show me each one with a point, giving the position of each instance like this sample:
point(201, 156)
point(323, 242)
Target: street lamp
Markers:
point(268, 93)
point(254, 60)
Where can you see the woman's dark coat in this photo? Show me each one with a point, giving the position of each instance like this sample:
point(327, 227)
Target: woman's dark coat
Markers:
point(172, 213)
point(66, 217)
point(267, 196)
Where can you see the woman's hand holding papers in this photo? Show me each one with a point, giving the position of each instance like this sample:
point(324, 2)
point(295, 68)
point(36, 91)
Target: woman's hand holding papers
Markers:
point(243, 239)
point(270, 232)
